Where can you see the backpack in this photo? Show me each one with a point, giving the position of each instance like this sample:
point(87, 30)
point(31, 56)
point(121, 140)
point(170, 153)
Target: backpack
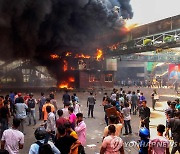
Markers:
point(31, 103)
point(44, 148)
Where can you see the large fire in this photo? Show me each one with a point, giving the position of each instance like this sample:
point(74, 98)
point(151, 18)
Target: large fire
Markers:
point(99, 54)
point(129, 25)
point(65, 85)
point(54, 56)
point(82, 56)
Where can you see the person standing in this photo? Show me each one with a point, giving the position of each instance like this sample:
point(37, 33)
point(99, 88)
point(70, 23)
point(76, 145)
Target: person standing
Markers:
point(53, 101)
point(159, 144)
point(154, 98)
point(91, 101)
point(127, 118)
point(31, 102)
point(65, 111)
point(72, 117)
point(174, 125)
point(76, 97)
point(65, 143)
point(106, 106)
point(134, 100)
point(81, 129)
point(144, 114)
point(4, 118)
point(113, 121)
point(60, 121)
point(41, 102)
point(51, 123)
point(21, 108)
point(66, 98)
point(45, 114)
point(12, 139)
point(40, 135)
point(112, 144)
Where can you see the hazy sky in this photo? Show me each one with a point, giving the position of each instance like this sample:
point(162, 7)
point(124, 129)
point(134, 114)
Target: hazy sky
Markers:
point(146, 11)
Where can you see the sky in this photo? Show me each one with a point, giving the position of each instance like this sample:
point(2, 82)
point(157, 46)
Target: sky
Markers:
point(146, 11)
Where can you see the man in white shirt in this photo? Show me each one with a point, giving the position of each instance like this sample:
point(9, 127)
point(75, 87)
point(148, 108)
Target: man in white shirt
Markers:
point(51, 123)
point(127, 118)
point(12, 139)
point(65, 111)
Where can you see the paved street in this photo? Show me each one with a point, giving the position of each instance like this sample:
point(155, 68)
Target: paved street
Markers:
point(96, 126)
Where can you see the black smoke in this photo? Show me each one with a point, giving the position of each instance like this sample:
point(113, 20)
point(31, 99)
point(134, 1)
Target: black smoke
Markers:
point(35, 28)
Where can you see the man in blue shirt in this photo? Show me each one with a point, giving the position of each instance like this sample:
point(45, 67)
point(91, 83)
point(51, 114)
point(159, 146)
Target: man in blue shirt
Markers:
point(40, 134)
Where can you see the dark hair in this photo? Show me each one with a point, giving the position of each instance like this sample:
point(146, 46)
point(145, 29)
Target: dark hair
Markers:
point(141, 93)
point(67, 104)
point(48, 99)
point(79, 115)
point(48, 109)
point(67, 125)
point(177, 114)
point(2, 97)
point(42, 94)
point(74, 94)
point(168, 103)
point(20, 100)
point(16, 122)
point(112, 118)
point(126, 104)
point(113, 103)
point(60, 112)
point(91, 93)
point(61, 130)
point(161, 128)
point(173, 104)
point(3, 151)
point(112, 129)
point(71, 109)
point(177, 100)
point(144, 102)
point(133, 92)
point(7, 97)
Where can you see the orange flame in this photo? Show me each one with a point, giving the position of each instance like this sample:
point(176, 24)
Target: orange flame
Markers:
point(65, 67)
point(68, 54)
point(82, 56)
point(63, 85)
point(99, 54)
point(129, 25)
point(71, 79)
point(54, 56)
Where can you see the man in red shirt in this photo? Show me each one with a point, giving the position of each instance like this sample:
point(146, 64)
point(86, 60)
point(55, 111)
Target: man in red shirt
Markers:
point(61, 121)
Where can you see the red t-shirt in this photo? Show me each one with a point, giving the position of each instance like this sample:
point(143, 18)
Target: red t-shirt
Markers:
point(60, 122)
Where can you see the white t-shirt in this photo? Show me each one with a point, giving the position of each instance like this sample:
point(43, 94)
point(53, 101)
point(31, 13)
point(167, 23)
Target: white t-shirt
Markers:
point(159, 145)
point(65, 113)
point(12, 138)
point(126, 113)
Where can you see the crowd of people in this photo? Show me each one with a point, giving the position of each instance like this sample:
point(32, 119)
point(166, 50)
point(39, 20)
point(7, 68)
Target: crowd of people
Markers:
point(119, 107)
point(64, 130)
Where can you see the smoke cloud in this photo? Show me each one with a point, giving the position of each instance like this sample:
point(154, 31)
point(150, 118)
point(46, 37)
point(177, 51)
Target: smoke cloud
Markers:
point(34, 29)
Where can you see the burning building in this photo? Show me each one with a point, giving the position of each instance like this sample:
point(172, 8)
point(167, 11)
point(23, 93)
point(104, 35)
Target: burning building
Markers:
point(84, 71)
point(37, 29)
